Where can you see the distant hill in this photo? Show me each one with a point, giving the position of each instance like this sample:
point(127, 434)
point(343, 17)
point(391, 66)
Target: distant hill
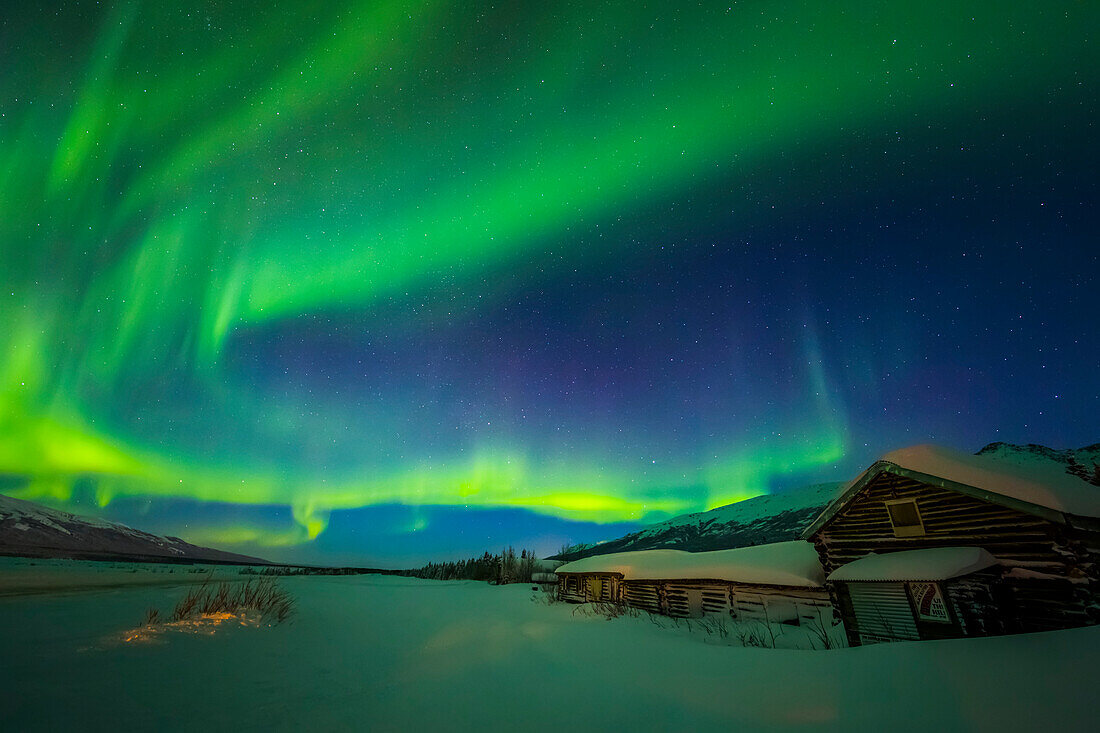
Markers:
point(782, 516)
point(757, 521)
point(32, 530)
point(1084, 463)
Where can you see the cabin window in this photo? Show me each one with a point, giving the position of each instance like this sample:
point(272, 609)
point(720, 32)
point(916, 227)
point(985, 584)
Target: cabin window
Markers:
point(905, 518)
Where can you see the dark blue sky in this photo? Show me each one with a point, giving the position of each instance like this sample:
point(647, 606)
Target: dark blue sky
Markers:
point(378, 284)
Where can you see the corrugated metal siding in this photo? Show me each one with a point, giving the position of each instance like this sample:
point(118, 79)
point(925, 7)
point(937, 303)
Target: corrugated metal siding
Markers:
point(883, 612)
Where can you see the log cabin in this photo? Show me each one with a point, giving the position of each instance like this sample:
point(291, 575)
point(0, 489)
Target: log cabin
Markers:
point(775, 584)
point(930, 543)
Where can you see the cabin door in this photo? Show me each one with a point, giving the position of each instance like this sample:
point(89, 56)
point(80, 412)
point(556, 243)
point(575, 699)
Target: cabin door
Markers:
point(595, 588)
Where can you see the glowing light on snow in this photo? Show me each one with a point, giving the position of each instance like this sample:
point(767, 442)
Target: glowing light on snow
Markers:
point(206, 624)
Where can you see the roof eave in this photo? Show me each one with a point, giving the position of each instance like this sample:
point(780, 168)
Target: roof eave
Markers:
point(836, 505)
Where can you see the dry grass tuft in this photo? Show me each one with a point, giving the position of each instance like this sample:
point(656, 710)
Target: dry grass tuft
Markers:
point(264, 597)
point(206, 609)
point(607, 609)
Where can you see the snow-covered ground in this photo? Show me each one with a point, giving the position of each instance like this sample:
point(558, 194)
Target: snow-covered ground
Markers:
point(386, 653)
point(22, 575)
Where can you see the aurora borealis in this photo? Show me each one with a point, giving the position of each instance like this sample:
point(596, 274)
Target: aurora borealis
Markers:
point(373, 281)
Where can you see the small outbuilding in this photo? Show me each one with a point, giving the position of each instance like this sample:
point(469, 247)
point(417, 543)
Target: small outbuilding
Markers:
point(930, 543)
point(780, 583)
point(935, 593)
point(542, 573)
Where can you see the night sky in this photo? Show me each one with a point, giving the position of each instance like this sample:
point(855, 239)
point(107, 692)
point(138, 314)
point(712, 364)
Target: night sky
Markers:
point(376, 282)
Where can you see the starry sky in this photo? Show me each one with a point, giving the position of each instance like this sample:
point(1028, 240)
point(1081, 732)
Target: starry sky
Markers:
point(378, 282)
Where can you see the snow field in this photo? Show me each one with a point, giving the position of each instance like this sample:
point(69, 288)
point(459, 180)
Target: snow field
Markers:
point(386, 653)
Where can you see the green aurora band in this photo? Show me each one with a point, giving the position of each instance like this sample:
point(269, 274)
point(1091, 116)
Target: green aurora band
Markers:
point(174, 181)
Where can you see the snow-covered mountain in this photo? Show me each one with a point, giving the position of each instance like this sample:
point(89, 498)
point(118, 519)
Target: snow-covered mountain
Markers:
point(757, 521)
point(1084, 463)
point(29, 529)
point(783, 516)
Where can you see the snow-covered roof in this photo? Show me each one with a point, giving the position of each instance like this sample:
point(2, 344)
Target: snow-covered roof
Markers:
point(1041, 488)
point(1043, 484)
point(782, 563)
point(933, 563)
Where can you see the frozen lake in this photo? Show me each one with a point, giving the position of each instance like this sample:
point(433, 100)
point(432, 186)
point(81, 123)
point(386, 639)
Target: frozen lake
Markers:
point(386, 653)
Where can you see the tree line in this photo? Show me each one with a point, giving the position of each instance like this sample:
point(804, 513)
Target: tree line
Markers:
point(502, 568)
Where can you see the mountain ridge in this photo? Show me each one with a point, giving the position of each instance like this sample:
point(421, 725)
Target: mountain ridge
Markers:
point(28, 529)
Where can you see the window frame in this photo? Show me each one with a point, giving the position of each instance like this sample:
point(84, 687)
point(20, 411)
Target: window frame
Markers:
point(905, 530)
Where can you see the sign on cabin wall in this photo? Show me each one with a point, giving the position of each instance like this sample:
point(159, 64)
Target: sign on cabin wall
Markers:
point(929, 602)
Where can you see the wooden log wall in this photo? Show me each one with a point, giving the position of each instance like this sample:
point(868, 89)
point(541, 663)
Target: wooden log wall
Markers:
point(642, 595)
point(600, 588)
point(583, 588)
point(781, 604)
point(572, 588)
point(973, 600)
point(950, 519)
point(740, 601)
point(677, 599)
point(1047, 604)
point(845, 610)
point(710, 597)
point(716, 599)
